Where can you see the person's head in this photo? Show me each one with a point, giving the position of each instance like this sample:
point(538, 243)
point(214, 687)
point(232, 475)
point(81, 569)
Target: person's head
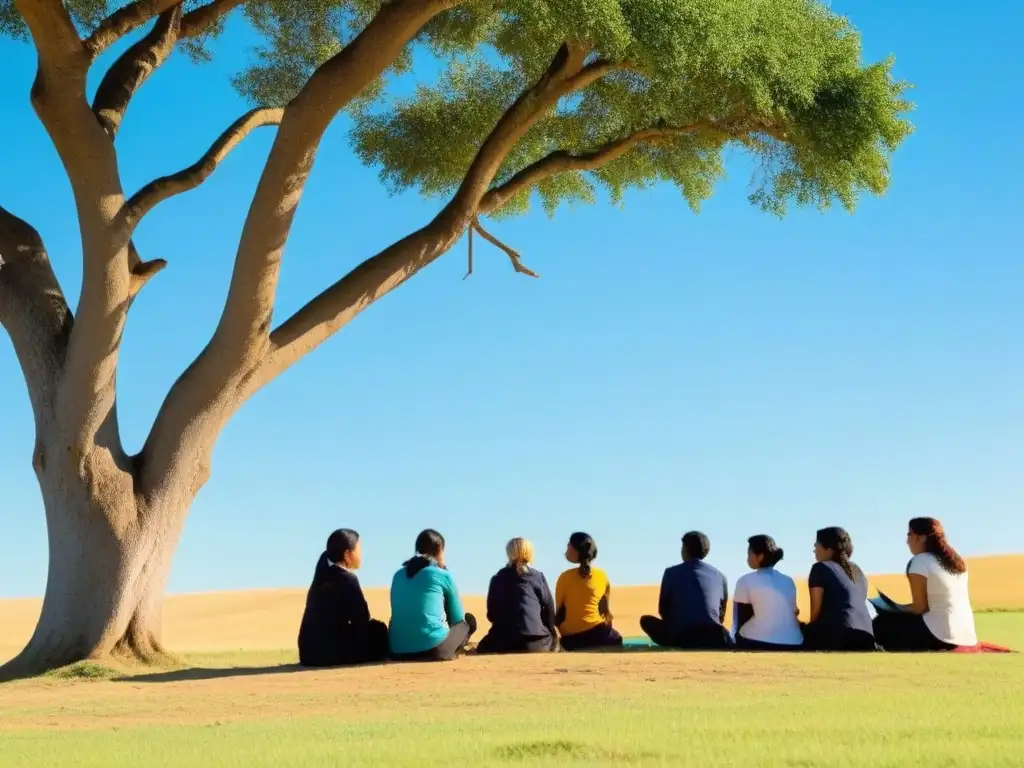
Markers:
point(695, 546)
point(430, 544)
point(763, 552)
point(582, 550)
point(834, 544)
point(520, 554)
point(343, 548)
point(925, 534)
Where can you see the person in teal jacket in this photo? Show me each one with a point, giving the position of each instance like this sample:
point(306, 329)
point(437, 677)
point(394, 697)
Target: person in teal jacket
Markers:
point(427, 619)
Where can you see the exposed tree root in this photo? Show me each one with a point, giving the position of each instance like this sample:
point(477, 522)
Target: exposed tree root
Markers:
point(135, 649)
point(142, 648)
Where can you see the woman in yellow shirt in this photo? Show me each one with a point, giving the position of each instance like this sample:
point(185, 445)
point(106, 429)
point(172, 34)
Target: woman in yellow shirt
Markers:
point(582, 594)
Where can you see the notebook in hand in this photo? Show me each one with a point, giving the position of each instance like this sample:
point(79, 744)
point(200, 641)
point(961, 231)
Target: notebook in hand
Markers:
point(885, 603)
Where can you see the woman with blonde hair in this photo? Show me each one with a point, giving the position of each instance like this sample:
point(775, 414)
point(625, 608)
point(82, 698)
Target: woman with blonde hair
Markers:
point(519, 606)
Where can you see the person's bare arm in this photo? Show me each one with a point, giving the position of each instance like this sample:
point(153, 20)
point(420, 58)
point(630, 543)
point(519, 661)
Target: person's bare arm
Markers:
point(918, 593)
point(817, 597)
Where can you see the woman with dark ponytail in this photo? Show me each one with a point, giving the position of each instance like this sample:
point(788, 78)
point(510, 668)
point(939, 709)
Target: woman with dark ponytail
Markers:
point(428, 622)
point(940, 616)
point(582, 594)
point(336, 626)
point(839, 618)
point(764, 605)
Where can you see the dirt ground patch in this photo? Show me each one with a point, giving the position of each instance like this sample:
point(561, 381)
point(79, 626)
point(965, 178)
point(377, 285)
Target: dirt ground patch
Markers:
point(242, 692)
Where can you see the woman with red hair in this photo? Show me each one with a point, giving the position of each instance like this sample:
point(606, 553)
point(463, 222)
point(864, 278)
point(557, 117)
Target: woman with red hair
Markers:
point(940, 615)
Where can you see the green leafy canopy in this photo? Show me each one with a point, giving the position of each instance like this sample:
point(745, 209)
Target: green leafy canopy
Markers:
point(789, 65)
point(786, 74)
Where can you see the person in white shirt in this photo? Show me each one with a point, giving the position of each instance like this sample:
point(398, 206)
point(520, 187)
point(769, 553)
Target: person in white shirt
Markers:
point(940, 616)
point(764, 605)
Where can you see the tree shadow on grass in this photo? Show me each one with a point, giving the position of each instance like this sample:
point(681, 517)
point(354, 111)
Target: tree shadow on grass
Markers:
point(192, 674)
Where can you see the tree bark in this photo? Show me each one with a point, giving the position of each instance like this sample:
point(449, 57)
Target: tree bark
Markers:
point(110, 553)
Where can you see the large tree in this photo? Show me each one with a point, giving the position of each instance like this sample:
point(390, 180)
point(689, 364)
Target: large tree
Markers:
point(559, 97)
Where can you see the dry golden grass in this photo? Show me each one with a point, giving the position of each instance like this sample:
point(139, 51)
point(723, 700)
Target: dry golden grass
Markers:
point(269, 619)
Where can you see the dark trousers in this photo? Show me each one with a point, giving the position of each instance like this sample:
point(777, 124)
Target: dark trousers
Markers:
point(506, 642)
point(361, 645)
point(698, 637)
point(821, 637)
point(901, 631)
point(450, 647)
point(743, 644)
point(602, 636)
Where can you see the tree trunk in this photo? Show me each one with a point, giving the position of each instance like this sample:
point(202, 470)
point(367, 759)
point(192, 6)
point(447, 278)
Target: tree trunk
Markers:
point(110, 554)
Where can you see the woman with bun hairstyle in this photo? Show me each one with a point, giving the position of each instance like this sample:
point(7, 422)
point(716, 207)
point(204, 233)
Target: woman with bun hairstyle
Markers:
point(582, 594)
point(764, 606)
point(839, 619)
point(519, 606)
point(940, 616)
point(336, 626)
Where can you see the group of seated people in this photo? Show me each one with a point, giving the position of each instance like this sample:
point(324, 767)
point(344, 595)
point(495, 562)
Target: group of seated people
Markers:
point(428, 622)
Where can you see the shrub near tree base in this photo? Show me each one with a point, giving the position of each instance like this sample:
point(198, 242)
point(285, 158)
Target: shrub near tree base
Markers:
point(557, 97)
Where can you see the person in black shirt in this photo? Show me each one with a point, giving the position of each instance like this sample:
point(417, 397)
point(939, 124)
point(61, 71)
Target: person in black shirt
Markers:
point(839, 618)
point(692, 601)
point(519, 606)
point(336, 626)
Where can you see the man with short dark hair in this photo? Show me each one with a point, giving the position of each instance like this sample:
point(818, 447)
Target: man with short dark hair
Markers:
point(692, 601)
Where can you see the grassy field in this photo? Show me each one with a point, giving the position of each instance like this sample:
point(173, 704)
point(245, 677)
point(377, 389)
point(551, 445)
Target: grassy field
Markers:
point(256, 708)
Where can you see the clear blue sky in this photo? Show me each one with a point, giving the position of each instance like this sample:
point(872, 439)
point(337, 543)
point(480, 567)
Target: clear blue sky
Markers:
point(728, 372)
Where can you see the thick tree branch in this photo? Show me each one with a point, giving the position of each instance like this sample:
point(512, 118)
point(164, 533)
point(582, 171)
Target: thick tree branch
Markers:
point(593, 72)
point(53, 32)
point(206, 394)
point(124, 21)
point(204, 17)
point(86, 397)
point(242, 334)
point(333, 308)
point(158, 190)
point(242, 356)
point(561, 162)
point(133, 68)
point(32, 310)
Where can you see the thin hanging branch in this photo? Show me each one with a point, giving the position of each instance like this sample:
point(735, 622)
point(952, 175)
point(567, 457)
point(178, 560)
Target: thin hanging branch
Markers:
point(517, 263)
point(469, 271)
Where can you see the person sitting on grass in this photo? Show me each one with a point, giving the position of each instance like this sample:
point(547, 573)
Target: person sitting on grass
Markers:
point(765, 612)
point(839, 619)
point(519, 606)
point(427, 619)
point(940, 615)
point(692, 601)
point(336, 627)
point(582, 599)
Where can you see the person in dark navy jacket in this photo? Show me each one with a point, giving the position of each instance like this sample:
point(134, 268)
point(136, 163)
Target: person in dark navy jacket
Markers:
point(336, 626)
point(519, 606)
point(692, 601)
